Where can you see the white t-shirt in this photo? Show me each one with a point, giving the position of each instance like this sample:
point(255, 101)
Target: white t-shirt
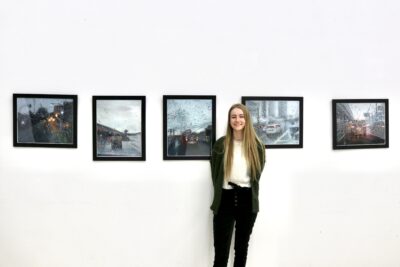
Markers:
point(239, 173)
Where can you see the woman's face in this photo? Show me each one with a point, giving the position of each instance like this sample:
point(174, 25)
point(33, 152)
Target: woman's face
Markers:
point(237, 120)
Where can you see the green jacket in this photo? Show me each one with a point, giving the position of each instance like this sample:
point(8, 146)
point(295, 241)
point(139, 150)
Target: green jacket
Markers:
point(217, 174)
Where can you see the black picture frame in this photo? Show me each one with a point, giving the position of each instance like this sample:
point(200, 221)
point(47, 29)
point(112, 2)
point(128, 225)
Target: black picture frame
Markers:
point(188, 126)
point(278, 120)
point(119, 128)
point(45, 120)
point(360, 123)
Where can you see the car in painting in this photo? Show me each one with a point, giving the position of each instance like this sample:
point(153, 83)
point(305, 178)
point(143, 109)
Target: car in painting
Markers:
point(359, 128)
point(116, 142)
point(192, 139)
point(273, 128)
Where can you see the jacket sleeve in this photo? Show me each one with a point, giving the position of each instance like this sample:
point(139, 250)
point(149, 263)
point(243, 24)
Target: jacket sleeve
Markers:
point(212, 163)
point(216, 160)
point(262, 157)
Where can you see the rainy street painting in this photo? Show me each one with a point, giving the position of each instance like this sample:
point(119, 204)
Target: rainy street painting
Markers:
point(189, 126)
point(278, 121)
point(45, 120)
point(360, 123)
point(118, 127)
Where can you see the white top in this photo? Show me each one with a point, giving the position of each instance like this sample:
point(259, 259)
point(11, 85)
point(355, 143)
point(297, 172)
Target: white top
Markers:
point(239, 173)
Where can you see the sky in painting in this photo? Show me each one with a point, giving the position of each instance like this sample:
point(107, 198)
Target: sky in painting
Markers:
point(120, 114)
point(359, 109)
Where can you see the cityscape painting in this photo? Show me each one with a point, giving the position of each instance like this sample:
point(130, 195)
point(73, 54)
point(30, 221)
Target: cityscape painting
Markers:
point(278, 121)
point(119, 127)
point(42, 120)
point(189, 127)
point(360, 123)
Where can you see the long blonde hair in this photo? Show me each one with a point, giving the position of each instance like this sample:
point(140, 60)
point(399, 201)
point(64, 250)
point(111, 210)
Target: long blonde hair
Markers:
point(249, 145)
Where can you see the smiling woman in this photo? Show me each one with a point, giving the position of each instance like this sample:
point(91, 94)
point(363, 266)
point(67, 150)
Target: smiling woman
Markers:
point(237, 122)
point(237, 161)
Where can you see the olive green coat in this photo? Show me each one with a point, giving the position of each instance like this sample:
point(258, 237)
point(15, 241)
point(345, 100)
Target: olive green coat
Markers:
point(217, 174)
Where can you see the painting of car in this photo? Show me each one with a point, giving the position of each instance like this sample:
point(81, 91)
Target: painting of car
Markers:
point(355, 123)
point(191, 118)
point(278, 121)
point(119, 124)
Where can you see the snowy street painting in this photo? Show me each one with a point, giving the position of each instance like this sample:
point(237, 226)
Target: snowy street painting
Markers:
point(277, 121)
point(189, 127)
point(119, 128)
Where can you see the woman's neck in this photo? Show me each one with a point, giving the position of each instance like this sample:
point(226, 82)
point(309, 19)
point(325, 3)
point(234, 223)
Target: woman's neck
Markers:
point(238, 135)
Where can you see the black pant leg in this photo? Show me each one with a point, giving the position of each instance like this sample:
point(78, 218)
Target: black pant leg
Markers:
point(245, 220)
point(223, 223)
point(243, 229)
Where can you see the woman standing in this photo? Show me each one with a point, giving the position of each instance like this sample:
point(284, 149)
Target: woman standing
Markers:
point(237, 162)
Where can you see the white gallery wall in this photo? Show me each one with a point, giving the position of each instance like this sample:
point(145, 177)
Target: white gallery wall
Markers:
point(319, 207)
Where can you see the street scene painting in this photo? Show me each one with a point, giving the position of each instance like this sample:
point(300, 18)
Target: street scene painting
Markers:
point(278, 121)
point(189, 127)
point(41, 120)
point(360, 123)
point(119, 128)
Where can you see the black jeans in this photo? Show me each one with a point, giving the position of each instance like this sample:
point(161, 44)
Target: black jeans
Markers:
point(235, 207)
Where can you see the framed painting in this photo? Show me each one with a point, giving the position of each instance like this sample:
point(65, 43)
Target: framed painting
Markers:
point(188, 126)
point(360, 123)
point(43, 120)
point(119, 128)
point(278, 121)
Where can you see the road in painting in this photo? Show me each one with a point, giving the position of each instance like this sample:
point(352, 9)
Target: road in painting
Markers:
point(189, 127)
point(118, 126)
point(276, 122)
point(45, 121)
point(119, 146)
point(360, 124)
